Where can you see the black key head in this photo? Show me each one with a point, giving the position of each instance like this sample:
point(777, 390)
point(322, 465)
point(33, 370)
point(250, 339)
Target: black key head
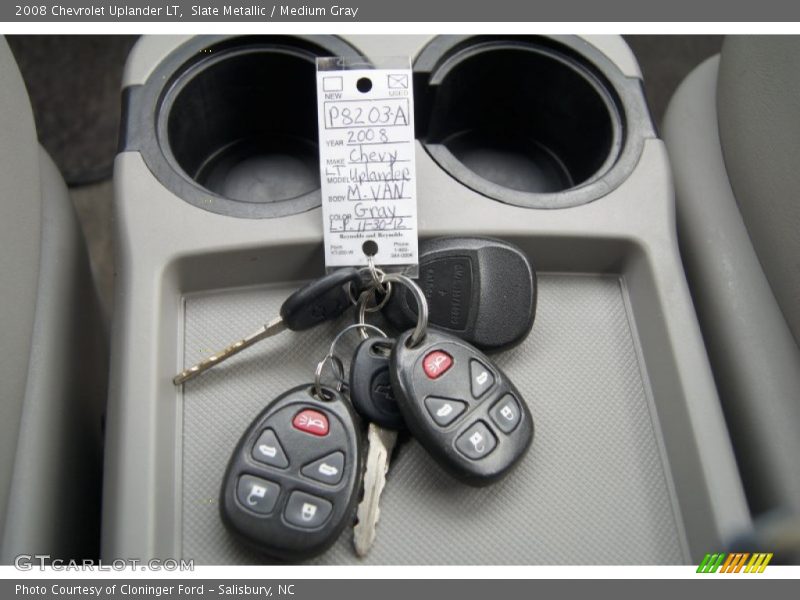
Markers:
point(370, 384)
point(321, 300)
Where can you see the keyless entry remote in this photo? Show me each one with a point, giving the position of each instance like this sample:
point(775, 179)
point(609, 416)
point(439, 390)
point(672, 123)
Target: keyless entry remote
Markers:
point(482, 290)
point(460, 407)
point(292, 483)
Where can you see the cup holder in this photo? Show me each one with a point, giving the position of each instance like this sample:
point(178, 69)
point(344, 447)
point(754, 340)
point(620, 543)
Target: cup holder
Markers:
point(528, 121)
point(239, 125)
point(236, 123)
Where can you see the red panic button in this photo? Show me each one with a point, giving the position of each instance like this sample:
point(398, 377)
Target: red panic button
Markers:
point(437, 364)
point(311, 421)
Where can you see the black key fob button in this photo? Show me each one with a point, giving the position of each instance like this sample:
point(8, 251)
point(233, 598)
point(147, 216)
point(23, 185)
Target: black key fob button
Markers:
point(444, 410)
point(307, 511)
point(506, 414)
point(327, 469)
point(481, 378)
point(268, 450)
point(257, 495)
point(476, 442)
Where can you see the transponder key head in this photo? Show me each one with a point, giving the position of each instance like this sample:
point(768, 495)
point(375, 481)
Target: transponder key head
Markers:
point(321, 299)
point(482, 290)
point(292, 483)
point(370, 384)
point(463, 409)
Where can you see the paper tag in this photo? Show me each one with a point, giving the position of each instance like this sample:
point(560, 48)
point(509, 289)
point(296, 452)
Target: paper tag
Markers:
point(367, 169)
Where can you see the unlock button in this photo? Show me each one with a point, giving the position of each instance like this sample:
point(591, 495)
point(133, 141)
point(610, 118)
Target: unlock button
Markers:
point(506, 414)
point(307, 511)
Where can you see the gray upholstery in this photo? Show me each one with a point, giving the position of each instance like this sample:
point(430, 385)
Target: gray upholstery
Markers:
point(52, 350)
point(755, 357)
point(20, 224)
point(60, 439)
point(758, 100)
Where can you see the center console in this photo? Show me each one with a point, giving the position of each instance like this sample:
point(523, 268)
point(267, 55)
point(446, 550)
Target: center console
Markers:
point(545, 142)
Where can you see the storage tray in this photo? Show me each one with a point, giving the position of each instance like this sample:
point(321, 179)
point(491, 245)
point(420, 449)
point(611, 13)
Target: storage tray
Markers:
point(595, 485)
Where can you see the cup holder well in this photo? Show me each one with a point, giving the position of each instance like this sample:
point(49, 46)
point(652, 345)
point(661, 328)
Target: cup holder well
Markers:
point(240, 125)
point(527, 121)
point(234, 123)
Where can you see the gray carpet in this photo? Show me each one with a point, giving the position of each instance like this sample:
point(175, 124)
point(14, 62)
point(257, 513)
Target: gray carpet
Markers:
point(73, 82)
point(665, 60)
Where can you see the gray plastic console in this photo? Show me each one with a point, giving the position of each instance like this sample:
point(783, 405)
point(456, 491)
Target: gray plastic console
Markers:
point(631, 462)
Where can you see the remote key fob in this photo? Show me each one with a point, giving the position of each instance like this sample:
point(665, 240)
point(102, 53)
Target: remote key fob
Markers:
point(460, 407)
point(292, 483)
point(482, 290)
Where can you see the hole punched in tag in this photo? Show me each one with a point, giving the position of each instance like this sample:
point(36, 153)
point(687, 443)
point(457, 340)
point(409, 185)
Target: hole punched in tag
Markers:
point(364, 85)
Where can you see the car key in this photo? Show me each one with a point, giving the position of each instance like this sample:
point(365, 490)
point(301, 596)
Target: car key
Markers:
point(292, 482)
point(372, 396)
point(380, 445)
point(462, 408)
point(368, 372)
point(319, 300)
point(482, 290)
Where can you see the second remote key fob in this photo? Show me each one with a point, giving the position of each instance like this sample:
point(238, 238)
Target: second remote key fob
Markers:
point(292, 483)
point(460, 407)
point(482, 290)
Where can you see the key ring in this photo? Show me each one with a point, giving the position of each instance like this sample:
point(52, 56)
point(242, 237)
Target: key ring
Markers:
point(361, 315)
point(387, 292)
point(337, 367)
point(363, 309)
point(378, 276)
point(385, 286)
point(422, 306)
point(361, 327)
point(338, 371)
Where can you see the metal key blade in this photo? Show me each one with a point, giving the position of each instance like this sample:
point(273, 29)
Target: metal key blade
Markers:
point(381, 444)
point(272, 328)
point(319, 300)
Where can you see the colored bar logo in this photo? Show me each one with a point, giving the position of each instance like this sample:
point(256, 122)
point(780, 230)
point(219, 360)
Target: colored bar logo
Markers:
point(735, 562)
